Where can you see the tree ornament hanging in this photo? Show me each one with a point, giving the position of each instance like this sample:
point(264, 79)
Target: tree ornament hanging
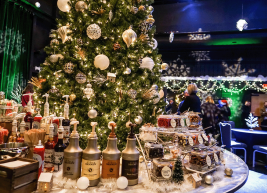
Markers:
point(92, 113)
point(144, 37)
point(80, 41)
point(164, 66)
point(132, 93)
point(128, 124)
point(116, 46)
point(161, 93)
point(80, 78)
point(99, 79)
point(55, 57)
point(127, 71)
point(110, 15)
point(129, 36)
point(53, 90)
point(152, 93)
point(88, 91)
point(63, 33)
point(150, 20)
point(72, 97)
point(147, 63)
point(68, 67)
point(101, 61)
point(134, 9)
point(138, 120)
point(54, 42)
point(150, 9)
point(93, 31)
point(111, 77)
point(63, 5)
point(80, 6)
point(153, 43)
point(99, 11)
point(142, 8)
point(171, 37)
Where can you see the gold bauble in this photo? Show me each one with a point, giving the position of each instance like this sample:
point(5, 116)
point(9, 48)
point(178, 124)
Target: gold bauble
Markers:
point(72, 97)
point(80, 6)
point(129, 37)
point(80, 78)
point(150, 19)
point(164, 66)
point(142, 8)
point(68, 68)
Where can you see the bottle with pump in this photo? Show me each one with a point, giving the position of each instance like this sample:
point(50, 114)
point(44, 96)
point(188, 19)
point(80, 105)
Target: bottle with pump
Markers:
point(21, 128)
point(13, 137)
point(49, 150)
point(38, 155)
point(59, 147)
point(28, 118)
point(46, 105)
point(73, 156)
point(91, 158)
point(111, 156)
point(37, 120)
point(130, 159)
point(56, 125)
point(66, 122)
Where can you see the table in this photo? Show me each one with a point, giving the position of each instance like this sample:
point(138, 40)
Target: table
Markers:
point(250, 138)
point(226, 184)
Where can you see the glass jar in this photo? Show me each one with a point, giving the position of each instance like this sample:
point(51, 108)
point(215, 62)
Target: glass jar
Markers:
point(148, 133)
point(201, 159)
point(164, 121)
point(154, 150)
point(162, 168)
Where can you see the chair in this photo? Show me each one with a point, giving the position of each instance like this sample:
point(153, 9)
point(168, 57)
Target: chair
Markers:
point(232, 123)
point(226, 136)
point(260, 149)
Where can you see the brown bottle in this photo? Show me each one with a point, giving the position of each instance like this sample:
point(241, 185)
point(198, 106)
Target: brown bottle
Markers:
point(111, 157)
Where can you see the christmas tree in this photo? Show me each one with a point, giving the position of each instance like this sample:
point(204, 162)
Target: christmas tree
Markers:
point(178, 173)
point(252, 121)
point(104, 56)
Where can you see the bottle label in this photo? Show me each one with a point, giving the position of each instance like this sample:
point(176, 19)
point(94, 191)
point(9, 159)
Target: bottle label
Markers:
point(173, 123)
point(49, 158)
point(59, 156)
point(205, 137)
point(91, 169)
point(166, 172)
point(71, 167)
point(66, 110)
point(200, 140)
point(130, 169)
point(55, 128)
point(38, 158)
point(36, 125)
point(208, 160)
point(190, 140)
point(216, 158)
point(110, 168)
point(46, 110)
point(66, 131)
point(27, 125)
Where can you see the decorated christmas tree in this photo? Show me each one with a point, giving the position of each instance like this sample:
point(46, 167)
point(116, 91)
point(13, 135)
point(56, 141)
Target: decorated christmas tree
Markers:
point(178, 173)
point(104, 56)
point(252, 121)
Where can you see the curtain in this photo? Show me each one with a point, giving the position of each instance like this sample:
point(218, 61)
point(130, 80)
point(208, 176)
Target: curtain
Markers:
point(15, 45)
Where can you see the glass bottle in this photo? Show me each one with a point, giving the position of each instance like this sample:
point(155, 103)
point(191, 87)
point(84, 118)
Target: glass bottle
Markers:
point(66, 122)
point(22, 129)
point(49, 151)
point(37, 120)
point(28, 118)
point(56, 125)
point(13, 137)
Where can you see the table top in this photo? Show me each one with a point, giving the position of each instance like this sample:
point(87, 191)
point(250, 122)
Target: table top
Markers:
point(249, 131)
point(225, 184)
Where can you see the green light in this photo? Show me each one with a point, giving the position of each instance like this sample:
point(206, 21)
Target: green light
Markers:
point(237, 41)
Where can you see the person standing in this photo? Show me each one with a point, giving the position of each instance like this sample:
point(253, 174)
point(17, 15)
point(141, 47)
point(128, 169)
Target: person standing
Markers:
point(192, 102)
point(225, 110)
point(263, 118)
point(169, 107)
point(246, 110)
point(182, 102)
point(210, 113)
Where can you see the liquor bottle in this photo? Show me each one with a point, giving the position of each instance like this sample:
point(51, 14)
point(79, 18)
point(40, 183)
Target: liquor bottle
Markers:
point(130, 159)
point(49, 150)
point(73, 156)
point(21, 129)
point(59, 147)
point(13, 137)
point(111, 156)
point(91, 158)
point(37, 120)
point(66, 122)
point(56, 125)
point(46, 105)
point(38, 155)
point(28, 118)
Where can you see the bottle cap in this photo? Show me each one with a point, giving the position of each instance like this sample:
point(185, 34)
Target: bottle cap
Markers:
point(39, 144)
point(93, 133)
point(131, 134)
point(61, 128)
point(46, 96)
point(74, 132)
point(112, 133)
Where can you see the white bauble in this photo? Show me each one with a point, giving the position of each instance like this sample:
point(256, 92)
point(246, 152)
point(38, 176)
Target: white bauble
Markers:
point(101, 61)
point(93, 31)
point(128, 124)
point(164, 66)
point(55, 57)
point(92, 113)
point(138, 120)
point(147, 63)
point(157, 98)
point(83, 183)
point(153, 43)
point(161, 93)
point(127, 71)
point(129, 37)
point(122, 182)
point(63, 5)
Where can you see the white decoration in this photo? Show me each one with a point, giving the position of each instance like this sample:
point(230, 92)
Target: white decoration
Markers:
point(109, 124)
point(127, 71)
point(129, 37)
point(122, 182)
point(178, 68)
point(92, 113)
point(93, 31)
point(241, 24)
point(138, 120)
point(147, 63)
point(128, 124)
point(171, 37)
point(55, 57)
point(166, 172)
point(88, 91)
point(83, 183)
point(252, 121)
point(199, 36)
point(110, 15)
point(63, 5)
point(153, 43)
point(101, 61)
point(63, 33)
point(200, 55)
point(161, 94)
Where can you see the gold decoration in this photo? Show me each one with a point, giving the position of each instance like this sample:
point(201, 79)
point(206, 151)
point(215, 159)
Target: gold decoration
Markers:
point(81, 53)
point(72, 97)
point(68, 68)
point(36, 82)
point(93, 31)
point(152, 93)
point(53, 90)
point(144, 37)
point(132, 93)
point(150, 19)
point(63, 33)
point(99, 11)
point(129, 36)
point(80, 6)
point(54, 42)
point(80, 78)
point(142, 8)
point(116, 46)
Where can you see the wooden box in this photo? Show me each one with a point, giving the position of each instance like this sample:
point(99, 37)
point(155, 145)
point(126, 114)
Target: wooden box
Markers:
point(18, 179)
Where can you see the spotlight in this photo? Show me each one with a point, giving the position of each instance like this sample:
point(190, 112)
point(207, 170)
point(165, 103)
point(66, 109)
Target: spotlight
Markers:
point(37, 4)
